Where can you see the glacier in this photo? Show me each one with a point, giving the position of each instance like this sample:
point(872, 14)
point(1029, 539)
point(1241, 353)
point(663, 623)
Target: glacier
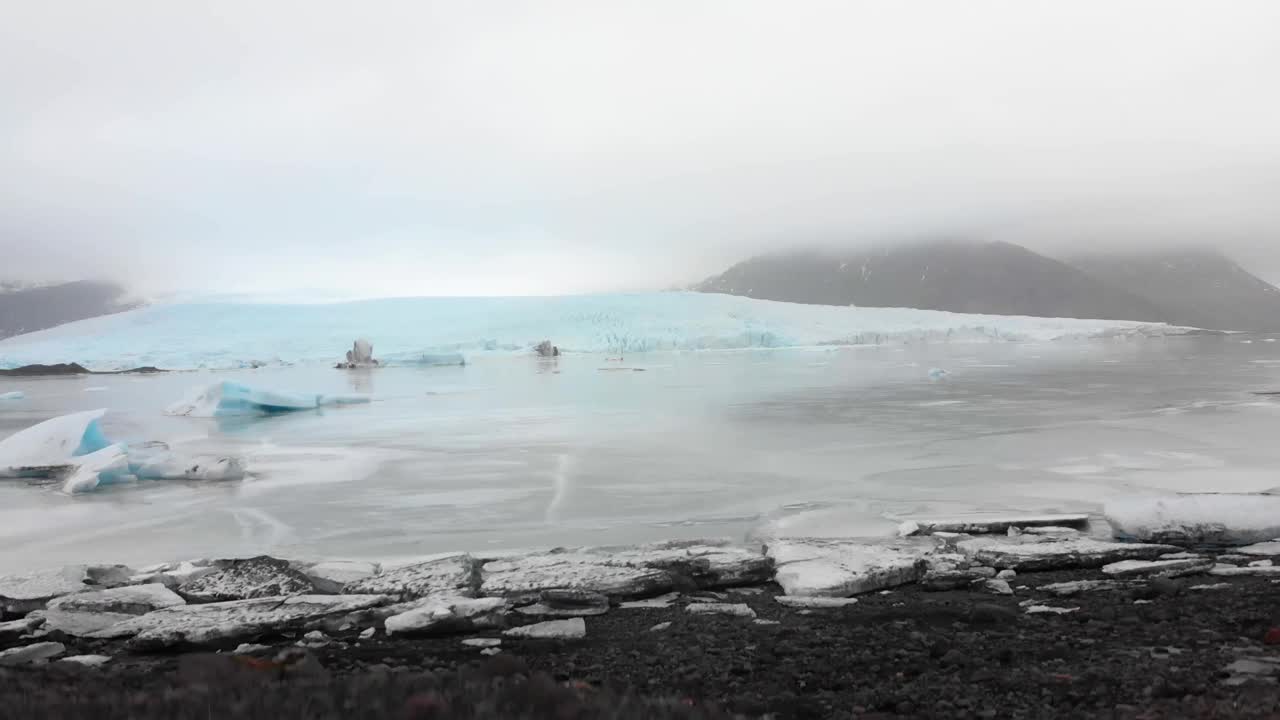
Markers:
point(218, 334)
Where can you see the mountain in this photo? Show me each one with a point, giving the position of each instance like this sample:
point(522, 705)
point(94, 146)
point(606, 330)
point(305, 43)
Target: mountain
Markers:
point(25, 310)
point(1201, 288)
point(993, 278)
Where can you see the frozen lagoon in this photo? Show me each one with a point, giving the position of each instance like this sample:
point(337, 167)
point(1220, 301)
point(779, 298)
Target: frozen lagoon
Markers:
point(515, 452)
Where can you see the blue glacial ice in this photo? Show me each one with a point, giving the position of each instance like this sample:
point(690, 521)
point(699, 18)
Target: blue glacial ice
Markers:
point(14, 395)
point(52, 447)
point(218, 334)
point(73, 448)
point(227, 399)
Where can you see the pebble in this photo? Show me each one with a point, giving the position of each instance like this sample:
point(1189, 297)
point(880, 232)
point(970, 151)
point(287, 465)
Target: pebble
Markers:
point(368, 633)
point(660, 627)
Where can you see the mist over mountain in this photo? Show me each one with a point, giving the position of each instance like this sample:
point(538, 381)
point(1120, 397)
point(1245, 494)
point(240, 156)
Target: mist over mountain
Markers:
point(25, 309)
point(1200, 288)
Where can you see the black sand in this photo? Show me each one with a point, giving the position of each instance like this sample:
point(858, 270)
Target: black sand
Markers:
point(910, 653)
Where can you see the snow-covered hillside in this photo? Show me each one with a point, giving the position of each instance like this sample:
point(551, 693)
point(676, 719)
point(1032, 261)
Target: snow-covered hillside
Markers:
point(228, 335)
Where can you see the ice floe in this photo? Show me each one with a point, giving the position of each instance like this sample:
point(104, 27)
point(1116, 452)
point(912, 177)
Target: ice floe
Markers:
point(12, 395)
point(1207, 518)
point(227, 398)
point(51, 448)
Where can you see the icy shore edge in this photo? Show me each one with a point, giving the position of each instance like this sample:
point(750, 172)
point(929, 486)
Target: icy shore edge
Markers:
point(221, 604)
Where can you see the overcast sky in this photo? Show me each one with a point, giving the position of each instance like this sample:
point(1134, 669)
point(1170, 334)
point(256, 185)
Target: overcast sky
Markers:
point(473, 147)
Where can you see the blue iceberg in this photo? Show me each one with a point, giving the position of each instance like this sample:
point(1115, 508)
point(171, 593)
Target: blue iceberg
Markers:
point(226, 399)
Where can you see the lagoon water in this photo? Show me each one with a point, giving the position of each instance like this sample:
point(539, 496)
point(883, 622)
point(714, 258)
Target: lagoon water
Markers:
point(513, 451)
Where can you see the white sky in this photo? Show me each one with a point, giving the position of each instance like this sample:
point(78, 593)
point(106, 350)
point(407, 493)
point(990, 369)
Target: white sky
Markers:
point(545, 147)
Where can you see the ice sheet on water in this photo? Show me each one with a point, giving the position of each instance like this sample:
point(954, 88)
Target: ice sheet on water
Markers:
point(230, 399)
point(216, 334)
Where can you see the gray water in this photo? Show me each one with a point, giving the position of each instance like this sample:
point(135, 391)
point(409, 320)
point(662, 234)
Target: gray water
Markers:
point(513, 452)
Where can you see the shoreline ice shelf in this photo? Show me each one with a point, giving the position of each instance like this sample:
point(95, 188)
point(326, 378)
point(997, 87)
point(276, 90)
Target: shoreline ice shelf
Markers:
point(225, 335)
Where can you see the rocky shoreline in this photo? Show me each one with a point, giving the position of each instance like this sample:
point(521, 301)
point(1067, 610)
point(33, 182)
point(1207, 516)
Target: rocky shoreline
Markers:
point(1011, 619)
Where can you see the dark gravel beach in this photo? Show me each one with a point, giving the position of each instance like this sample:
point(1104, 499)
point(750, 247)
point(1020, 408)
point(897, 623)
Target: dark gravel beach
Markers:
point(1156, 649)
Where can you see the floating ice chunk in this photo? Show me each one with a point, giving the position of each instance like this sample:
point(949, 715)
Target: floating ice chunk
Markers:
point(173, 467)
point(97, 468)
point(938, 374)
point(229, 399)
point(13, 395)
point(1229, 519)
point(48, 449)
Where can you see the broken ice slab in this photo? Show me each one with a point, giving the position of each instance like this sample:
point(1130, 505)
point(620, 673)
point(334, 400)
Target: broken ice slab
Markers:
point(573, 629)
point(835, 568)
point(1035, 554)
point(54, 447)
point(1233, 571)
point(1196, 519)
point(441, 615)
point(1158, 568)
point(991, 523)
point(822, 603)
point(230, 623)
point(80, 614)
point(1264, 549)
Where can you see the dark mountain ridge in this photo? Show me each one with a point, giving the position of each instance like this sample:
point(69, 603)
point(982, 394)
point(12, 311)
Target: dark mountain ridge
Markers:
point(1197, 288)
point(39, 308)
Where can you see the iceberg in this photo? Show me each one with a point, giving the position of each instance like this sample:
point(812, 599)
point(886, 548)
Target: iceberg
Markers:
point(110, 464)
point(219, 334)
point(227, 398)
point(74, 449)
point(51, 448)
point(1195, 519)
point(14, 395)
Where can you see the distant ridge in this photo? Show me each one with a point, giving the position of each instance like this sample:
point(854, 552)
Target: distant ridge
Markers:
point(988, 278)
point(1195, 288)
point(1202, 288)
point(29, 309)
